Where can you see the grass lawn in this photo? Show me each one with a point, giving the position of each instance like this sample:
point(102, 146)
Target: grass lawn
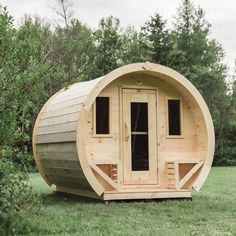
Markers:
point(212, 212)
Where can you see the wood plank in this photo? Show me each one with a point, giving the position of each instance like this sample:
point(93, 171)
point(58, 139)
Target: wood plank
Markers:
point(106, 146)
point(59, 119)
point(44, 154)
point(152, 135)
point(64, 171)
point(58, 147)
point(57, 128)
point(103, 156)
point(79, 97)
point(106, 162)
point(103, 174)
point(78, 192)
point(146, 195)
point(77, 94)
point(60, 163)
point(80, 86)
point(126, 140)
point(176, 173)
point(189, 175)
point(60, 112)
point(188, 161)
point(67, 181)
point(138, 91)
point(54, 138)
point(65, 104)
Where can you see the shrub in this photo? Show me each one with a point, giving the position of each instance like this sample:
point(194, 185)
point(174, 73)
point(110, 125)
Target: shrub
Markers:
point(16, 195)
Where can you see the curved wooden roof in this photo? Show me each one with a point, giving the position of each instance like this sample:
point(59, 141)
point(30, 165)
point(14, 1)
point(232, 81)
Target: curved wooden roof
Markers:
point(73, 104)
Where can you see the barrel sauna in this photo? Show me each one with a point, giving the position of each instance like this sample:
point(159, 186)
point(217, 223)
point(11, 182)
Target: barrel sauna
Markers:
point(142, 131)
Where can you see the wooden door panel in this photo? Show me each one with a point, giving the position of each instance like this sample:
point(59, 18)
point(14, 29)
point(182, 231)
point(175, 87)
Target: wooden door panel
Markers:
point(141, 174)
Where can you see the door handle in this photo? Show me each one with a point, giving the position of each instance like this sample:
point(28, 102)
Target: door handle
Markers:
point(126, 131)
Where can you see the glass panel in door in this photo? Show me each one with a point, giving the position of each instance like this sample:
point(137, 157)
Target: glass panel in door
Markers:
point(139, 136)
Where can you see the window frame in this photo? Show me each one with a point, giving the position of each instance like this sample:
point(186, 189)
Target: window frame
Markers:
point(176, 136)
point(109, 117)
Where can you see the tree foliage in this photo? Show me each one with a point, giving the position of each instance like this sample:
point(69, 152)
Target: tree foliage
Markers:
point(159, 38)
point(200, 59)
point(109, 44)
point(134, 46)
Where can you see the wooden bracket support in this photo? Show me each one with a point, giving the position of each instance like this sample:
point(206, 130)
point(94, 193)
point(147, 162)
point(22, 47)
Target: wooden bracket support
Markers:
point(103, 174)
point(173, 172)
point(189, 175)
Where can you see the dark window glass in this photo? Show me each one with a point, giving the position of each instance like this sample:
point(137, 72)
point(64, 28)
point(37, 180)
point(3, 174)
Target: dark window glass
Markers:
point(139, 136)
point(174, 117)
point(140, 152)
point(102, 115)
point(139, 117)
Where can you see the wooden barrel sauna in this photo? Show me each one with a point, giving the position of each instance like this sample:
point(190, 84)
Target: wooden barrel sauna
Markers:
point(142, 131)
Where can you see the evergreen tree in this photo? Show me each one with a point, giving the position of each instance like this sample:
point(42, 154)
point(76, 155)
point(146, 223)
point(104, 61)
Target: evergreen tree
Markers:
point(159, 38)
point(200, 59)
point(109, 45)
point(135, 47)
point(74, 46)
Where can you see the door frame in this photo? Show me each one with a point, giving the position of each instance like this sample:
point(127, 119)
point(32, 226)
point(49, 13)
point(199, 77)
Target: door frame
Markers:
point(121, 169)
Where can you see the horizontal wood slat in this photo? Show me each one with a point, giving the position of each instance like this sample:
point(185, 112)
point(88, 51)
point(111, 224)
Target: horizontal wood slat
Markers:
point(60, 112)
point(68, 181)
point(60, 163)
point(57, 128)
point(57, 137)
point(65, 104)
point(60, 171)
point(66, 118)
point(58, 155)
point(58, 147)
point(73, 89)
point(70, 96)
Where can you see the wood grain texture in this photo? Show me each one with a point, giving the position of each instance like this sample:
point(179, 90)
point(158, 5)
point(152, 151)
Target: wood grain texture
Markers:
point(65, 129)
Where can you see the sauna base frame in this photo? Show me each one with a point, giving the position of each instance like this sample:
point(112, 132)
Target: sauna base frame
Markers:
point(129, 194)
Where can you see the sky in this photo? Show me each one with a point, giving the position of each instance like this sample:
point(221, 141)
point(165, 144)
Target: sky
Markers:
point(220, 14)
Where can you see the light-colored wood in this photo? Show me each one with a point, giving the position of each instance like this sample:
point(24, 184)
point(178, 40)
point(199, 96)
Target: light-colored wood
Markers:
point(34, 141)
point(66, 118)
point(103, 175)
point(64, 139)
point(106, 162)
point(78, 192)
point(148, 96)
point(189, 175)
point(145, 194)
point(174, 172)
point(98, 188)
point(75, 95)
point(68, 103)
point(61, 112)
point(56, 137)
point(57, 128)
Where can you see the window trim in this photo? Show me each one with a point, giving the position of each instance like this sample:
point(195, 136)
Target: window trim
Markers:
point(110, 120)
point(171, 136)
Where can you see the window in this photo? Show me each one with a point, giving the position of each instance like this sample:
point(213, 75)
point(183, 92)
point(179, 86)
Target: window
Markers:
point(102, 115)
point(174, 116)
point(139, 136)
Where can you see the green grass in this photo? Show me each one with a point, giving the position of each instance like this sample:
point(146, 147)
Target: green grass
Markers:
point(212, 212)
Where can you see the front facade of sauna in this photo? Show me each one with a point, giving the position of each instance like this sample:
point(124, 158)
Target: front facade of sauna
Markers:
point(142, 131)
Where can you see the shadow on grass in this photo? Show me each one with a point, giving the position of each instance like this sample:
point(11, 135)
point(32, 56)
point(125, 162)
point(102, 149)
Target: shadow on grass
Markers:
point(56, 198)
